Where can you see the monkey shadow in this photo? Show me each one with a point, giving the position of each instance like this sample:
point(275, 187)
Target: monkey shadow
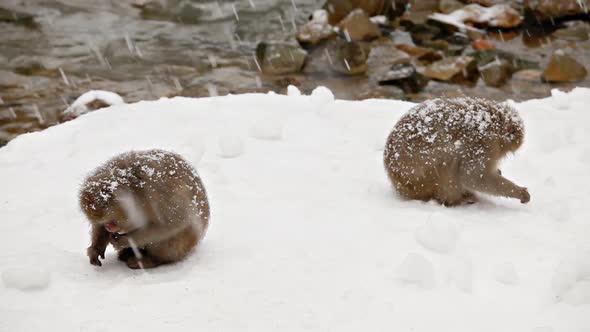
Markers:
point(168, 273)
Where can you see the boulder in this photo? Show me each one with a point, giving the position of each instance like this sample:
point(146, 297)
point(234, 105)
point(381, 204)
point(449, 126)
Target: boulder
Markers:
point(280, 58)
point(404, 76)
point(455, 69)
point(339, 9)
point(496, 73)
point(498, 16)
point(316, 29)
point(551, 9)
point(573, 31)
point(486, 56)
point(357, 26)
point(338, 56)
point(562, 67)
point(423, 54)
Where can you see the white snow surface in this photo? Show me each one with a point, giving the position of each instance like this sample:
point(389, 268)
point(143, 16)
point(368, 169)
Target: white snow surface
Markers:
point(306, 233)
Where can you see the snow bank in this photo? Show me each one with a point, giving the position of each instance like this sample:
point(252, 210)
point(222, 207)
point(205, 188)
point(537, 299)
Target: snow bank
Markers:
point(306, 233)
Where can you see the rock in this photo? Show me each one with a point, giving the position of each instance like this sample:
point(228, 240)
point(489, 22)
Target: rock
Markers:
point(459, 38)
point(496, 73)
point(280, 58)
point(422, 33)
point(316, 29)
point(456, 69)
point(338, 56)
point(448, 6)
point(482, 44)
point(498, 16)
point(401, 37)
point(384, 53)
point(422, 54)
point(484, 57)
point(531, 75)
point(405, 76)
point(339, 9)
point(13, 15)
point(550, 9)
point(562, 67)
point(574, 31)
point(358, 27)
point(90, 101)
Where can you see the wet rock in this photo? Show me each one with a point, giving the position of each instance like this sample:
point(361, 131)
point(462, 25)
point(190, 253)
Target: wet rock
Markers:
point(382, 92)
point(448, 6)
point(484, 57)
point(10, 80)
point(562, 67)
point(316, 29)
point(338, 56)
point(357, 26)
point(339, 9)
point(405, 76)
point(550, 9)
point(401, 37)
point(280, 58)
point(424, 55)
point(14, 15)
point(383, 54)
point(496, 73)
point(178, 11)
point(437, 44)
point(456, 69)
point(530, 75)
point(459, 38)
point(482, 44)
point(574, 31)
point(423, 33)
point(498, 16)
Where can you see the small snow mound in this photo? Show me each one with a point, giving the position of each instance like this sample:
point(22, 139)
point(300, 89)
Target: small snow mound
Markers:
point(571, 280)
point(80, 105)
point(440, 236)
point(322, 96)
point(561, 100)
point(267, 130)
point(26, 279)
point(231, 146)
point(506, 273)
point(293, 91)
point(417, 270)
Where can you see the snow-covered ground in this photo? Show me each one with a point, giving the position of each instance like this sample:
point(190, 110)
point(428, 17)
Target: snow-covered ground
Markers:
point(306, 233)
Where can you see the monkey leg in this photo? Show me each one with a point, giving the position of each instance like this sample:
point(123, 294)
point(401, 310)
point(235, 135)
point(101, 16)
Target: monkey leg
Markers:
point(494, 184)
point(145, 262)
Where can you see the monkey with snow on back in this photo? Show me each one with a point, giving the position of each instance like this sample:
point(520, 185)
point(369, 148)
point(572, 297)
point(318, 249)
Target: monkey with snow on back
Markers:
point(447, 149)
point(150, 205)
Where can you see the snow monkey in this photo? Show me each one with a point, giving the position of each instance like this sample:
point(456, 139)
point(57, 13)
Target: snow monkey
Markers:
point(447, 149)
point(150, 205)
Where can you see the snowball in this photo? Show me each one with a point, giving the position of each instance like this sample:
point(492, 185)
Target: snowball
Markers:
point(380, 19)
point(267, 130)
point(417, 270)
point(440, 236)
point(293, 91)
point(230, 146)
point(506, 273)
point(26, 278)
point(322, 96)
point(79, 106)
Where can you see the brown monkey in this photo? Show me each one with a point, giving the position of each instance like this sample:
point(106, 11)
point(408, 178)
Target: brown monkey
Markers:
point(446, 149)
point(150, 205)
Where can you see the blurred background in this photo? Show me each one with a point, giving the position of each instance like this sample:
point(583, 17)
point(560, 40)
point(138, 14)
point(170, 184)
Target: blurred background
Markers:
point(53, 51)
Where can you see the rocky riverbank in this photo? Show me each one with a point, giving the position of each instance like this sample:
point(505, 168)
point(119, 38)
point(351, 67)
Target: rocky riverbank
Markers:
point(52, 52)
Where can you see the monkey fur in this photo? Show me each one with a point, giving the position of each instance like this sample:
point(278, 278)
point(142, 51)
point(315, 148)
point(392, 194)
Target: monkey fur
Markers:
point(448, 149)
point(151, 206)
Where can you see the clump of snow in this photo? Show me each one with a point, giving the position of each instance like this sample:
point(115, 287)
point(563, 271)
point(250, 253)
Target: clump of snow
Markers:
point(438, 235)
point(293, 91)
point(26, 279)
point(267, 129)
point(379, 19)
point(417, 270)
point(560, 99)
point(80, 105)
point(231, 146)
point(322, 96)
point(506, 273)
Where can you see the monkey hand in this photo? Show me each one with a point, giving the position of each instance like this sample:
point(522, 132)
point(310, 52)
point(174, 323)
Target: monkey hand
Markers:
point(119, 241)
point(94, 254)
point(525, 197)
